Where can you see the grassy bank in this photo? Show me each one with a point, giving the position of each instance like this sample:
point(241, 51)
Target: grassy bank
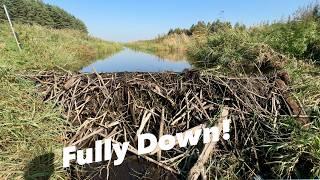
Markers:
point(31, 136)
point(48, 48)
point(291, 45)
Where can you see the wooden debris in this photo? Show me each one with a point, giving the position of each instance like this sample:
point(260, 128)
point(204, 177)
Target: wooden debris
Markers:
point(123, 105)
point(199, 168)
point(70, 83)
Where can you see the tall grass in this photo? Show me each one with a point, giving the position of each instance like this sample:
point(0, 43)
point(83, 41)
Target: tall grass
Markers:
point(291, 44)
point(30, 127)
point(174, 42)
point(293, 39)
point(48, 48)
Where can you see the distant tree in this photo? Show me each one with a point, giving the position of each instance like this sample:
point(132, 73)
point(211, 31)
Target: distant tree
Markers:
point(170, 32)
point(219, 25)
point(179, 31)
point(240, 26)
point(199, 27)
point(316, 11)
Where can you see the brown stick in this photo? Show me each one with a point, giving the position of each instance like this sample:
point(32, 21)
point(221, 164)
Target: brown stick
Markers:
point(161, 132)
point(199, 169)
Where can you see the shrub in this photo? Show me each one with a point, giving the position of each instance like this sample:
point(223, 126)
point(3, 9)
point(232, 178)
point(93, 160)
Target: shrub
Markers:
point(313, 51)
point(289, 38)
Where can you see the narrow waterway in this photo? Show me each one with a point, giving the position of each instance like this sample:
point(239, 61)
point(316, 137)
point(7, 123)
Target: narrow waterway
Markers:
point(135, 61)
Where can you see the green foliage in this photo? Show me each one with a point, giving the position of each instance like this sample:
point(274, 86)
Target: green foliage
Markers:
point(313, 50)
point(222, 26)
point(292, 38)
point(29, 128)
point(179, 31)
point(298, 37)
point(202, 27)
point(37, 12)
point(219, 48)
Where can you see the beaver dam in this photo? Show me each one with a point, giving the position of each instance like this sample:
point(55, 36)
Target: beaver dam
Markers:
point(122, 105)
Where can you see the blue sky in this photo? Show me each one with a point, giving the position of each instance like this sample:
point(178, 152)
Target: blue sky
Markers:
point(129, 20)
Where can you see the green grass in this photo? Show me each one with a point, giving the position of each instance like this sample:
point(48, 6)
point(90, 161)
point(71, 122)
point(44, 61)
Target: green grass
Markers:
point(48, 48)
point(30, 127)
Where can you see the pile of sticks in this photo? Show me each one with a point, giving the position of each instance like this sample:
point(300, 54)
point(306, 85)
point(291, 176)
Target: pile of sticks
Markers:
point(123, 105)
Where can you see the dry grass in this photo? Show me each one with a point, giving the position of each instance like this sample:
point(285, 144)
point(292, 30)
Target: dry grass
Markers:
point(173, 42)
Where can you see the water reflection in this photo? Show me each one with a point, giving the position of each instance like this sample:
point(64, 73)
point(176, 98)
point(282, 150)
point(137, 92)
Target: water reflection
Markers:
point(136, 61)
point(173, 56)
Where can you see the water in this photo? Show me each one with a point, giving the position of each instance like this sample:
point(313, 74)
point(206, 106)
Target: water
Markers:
point(134, 61)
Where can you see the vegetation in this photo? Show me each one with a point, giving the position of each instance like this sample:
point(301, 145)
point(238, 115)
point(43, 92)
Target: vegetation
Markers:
point(178, 39)
point(172, 42)
point(53, 39)
point(45, 48)
point(220, 42)
point(37, 12)
point(290, 45)
point(297, 37)
point(30, 127)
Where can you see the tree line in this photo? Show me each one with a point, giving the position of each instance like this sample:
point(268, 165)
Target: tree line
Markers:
point(37, 12)
point(309, 13)
point(202, 27)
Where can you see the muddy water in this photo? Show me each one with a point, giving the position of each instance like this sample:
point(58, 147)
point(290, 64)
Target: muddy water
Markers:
point(135, 61)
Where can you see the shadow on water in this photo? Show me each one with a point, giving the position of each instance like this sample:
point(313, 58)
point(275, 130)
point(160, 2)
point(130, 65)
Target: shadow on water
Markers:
point(40, 168)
